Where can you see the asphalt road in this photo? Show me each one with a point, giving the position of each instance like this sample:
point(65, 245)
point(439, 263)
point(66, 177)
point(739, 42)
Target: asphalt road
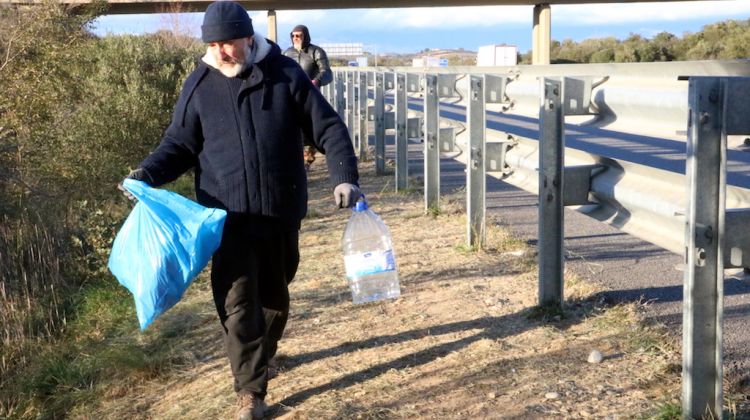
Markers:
point(626, 267)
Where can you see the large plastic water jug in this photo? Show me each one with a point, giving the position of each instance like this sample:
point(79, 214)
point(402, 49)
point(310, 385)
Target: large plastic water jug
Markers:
point(368, 256)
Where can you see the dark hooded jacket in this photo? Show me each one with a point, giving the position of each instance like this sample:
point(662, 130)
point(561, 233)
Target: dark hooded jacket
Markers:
point(243, 136)
point(311, 58)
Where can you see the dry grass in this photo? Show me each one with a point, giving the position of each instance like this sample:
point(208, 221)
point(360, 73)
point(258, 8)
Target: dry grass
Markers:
point(457, 344)
point(31, 306)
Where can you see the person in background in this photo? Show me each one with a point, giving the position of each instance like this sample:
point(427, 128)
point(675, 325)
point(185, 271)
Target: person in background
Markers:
point(314, 62)
point(239, 122)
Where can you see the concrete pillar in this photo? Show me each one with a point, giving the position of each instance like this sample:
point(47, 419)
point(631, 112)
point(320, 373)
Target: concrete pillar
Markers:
point(541, 34)
point(272, 34)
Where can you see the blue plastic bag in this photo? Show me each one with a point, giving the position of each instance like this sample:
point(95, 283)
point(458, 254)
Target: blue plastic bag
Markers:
point(165, 242)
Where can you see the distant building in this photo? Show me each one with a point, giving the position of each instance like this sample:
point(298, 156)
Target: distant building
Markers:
point(362, 61)
point(497, 55)
point(359, 62)
point(353, 49)
point(428, 61)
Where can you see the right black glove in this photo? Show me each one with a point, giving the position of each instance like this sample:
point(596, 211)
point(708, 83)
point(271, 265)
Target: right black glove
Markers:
point(139, 174)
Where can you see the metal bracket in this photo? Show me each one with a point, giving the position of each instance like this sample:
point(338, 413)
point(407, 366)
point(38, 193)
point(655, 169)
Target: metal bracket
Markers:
point(494, 159)
point(447, 137)
point(577, 95)
point(446, 84)
point(494, 88)
point(495, 152)
point(413, 82)
point(577, 183)
point(389, 81)
point(737, 238)
point(413, 128)
point(389, 119)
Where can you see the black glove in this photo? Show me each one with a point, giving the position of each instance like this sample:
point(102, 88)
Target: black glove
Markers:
point(346, 195)
point(139, 174)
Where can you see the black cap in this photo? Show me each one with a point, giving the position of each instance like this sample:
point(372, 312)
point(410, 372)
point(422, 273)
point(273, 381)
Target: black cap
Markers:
point(225, 20)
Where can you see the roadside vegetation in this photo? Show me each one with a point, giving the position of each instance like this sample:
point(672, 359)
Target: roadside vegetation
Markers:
point(77, 112)
point(727, 40)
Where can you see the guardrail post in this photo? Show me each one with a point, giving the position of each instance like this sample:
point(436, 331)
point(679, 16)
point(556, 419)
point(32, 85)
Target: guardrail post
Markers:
point(339, 80)
point(325, 92)
point(552, 143)
point(402, 143)
point(363, 132)
point(350, 104)
point(476, 178)
point(704, 269)
point(379, 124)
point(431, 151)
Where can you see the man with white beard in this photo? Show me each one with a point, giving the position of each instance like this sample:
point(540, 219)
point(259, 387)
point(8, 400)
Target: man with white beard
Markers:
point(239, 122)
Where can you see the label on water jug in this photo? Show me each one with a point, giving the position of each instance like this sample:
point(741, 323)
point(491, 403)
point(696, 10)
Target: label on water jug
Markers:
point(366, 263)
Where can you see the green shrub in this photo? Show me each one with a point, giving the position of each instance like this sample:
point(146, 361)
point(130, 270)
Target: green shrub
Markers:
point(76, 113)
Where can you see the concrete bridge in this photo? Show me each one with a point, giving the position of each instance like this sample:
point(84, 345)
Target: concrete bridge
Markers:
point(541, 27)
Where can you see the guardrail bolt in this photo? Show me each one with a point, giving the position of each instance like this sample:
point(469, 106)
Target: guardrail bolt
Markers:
point(704, 118)
point(700, 257)
point(713, 97)
point(708, 233)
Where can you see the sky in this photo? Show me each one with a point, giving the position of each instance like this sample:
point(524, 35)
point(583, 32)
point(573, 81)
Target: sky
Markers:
point(408, 30)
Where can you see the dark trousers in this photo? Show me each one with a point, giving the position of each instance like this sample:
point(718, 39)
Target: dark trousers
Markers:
point(249, 278)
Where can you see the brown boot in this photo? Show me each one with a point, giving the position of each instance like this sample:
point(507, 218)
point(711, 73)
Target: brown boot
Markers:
point(250, 407)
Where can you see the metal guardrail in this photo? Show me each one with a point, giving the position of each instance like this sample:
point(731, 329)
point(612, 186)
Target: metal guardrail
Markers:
point(714, 237)
point(644, 101)
point(621, 105)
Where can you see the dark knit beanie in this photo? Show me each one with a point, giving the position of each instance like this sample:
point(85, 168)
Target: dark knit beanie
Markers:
point(225, 20)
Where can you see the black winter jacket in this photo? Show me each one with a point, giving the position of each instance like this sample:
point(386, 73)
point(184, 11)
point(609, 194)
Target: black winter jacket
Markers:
point(243, 136)
point(312, 58)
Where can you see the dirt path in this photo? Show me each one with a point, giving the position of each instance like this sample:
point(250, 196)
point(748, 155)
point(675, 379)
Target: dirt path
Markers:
point(458, 343)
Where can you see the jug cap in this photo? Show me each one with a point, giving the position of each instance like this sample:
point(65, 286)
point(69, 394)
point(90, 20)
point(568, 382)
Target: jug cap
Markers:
point(361, 204)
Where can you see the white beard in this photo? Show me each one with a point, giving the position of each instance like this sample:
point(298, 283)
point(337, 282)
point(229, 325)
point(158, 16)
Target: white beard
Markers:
point(231, 69)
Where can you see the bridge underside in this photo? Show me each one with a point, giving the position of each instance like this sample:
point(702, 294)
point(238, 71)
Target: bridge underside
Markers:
point(161, 6)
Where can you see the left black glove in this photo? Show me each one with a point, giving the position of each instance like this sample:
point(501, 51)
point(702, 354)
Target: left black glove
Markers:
point(139, 174)
point(346, 195)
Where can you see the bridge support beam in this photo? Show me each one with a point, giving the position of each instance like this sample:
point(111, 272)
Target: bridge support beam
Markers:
point(272, 29)
point(541, 34)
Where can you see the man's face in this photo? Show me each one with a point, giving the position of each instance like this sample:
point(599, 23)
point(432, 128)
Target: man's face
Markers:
point(297, 40)
point(231, 55)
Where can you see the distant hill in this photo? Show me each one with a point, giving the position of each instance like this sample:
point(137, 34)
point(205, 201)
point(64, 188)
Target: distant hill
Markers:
point(456, 57)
